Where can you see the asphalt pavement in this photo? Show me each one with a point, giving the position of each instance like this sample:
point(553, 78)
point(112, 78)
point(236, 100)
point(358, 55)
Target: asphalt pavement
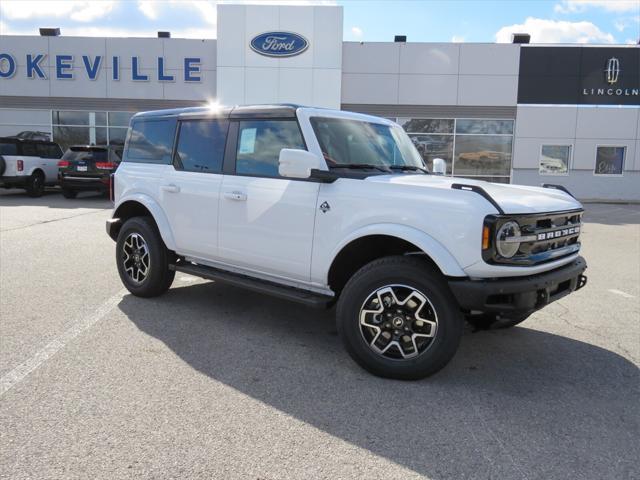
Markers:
point(210, 381)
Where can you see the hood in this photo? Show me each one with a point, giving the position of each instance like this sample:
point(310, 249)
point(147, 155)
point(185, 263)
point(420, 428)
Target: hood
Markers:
point(511, 198)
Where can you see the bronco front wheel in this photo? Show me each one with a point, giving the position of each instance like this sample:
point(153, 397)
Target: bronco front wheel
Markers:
point(398, 319)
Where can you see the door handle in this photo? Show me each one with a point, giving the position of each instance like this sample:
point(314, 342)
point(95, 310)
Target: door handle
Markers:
point(235, 195)
point(170, 188)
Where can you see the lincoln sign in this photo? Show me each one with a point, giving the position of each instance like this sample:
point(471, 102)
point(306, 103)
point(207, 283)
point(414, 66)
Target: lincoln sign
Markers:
point(580, 75)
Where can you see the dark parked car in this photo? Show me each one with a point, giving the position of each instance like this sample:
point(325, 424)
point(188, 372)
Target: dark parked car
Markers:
point(87, 168)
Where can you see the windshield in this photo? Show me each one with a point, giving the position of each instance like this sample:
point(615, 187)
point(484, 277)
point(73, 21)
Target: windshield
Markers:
point(353, 142)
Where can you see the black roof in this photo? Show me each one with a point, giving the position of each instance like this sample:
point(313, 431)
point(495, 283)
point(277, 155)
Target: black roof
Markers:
point(283, 110)
point(25, 140)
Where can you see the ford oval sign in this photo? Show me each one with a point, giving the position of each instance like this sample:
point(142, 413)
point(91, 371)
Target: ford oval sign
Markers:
point(279, 44)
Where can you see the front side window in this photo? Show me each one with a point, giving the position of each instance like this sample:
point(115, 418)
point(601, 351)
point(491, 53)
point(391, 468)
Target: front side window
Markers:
point(201, 145)
point(151, 140)
point(352, 142)
point(609, 160)
point(554, 159)
point(47, 150)
point(260, 142)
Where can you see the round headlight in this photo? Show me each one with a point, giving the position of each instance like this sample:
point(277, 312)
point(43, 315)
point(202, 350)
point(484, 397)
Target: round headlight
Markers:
point(505, 243)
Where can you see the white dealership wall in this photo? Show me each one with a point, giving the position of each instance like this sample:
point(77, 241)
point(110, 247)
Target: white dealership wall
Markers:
point(312, 78)
point(428, 80)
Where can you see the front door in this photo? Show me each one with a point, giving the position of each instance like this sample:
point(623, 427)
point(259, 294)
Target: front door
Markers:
point(190, 190)
point(266, 221)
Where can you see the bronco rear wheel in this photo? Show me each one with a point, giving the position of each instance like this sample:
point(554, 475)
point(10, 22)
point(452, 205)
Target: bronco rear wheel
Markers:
point(143, 259)
point(35, 184)
point(398, 319)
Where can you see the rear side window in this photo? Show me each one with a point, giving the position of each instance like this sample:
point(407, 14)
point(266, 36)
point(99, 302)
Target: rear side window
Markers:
point(260, 142)
point(151, 140)
point(201, 145)
point(47, 150)
point(8, 149)
point(29, 149)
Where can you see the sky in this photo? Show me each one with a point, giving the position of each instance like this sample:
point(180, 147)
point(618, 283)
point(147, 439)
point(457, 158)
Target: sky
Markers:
point(547, 21)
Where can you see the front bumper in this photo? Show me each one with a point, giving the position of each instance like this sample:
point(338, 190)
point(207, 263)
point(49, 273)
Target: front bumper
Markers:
point(519, 295)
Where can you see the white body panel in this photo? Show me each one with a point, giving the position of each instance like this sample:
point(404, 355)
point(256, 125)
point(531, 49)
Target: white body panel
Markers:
point(273, 228)
point(267, 224)
point(49, 166)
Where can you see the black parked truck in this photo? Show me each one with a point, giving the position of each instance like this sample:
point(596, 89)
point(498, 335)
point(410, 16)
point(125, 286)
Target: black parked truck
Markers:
point(88, 168)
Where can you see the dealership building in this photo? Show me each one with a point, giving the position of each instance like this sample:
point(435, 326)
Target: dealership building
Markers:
point(513, 113)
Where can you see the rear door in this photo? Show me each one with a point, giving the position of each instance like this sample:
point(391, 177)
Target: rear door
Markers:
point(191, 189)
point(266, 221)
point(49, 154)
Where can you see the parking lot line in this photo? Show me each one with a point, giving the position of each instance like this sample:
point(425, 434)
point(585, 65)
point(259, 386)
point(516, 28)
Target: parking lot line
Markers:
point(19, 373)
point(621, 293)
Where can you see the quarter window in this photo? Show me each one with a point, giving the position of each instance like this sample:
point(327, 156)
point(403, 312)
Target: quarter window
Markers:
point(8, 149)
point(260, 142)
point(609, 160)
point(151, 140)
point(201, 145)
point(554, 159)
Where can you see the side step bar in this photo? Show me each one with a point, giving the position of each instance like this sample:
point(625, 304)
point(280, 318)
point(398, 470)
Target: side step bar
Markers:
point(311, 299)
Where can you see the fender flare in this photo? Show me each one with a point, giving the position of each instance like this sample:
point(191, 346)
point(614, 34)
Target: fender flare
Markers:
point(156, 212)
point(430, 246)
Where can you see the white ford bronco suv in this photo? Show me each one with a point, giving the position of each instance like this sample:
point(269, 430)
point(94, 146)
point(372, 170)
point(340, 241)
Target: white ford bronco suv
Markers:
point(29, 164)
point(329, 207)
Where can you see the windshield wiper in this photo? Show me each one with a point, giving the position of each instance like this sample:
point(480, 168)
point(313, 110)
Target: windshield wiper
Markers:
point(362, 166)
point(412, 168)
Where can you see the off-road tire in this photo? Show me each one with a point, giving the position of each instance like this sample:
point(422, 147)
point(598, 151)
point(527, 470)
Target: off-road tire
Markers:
point(417, 274)
point(35, 184)
point(159, 277)
point(68, 193)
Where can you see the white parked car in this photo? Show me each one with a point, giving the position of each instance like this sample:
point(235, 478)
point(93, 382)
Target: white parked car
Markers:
point(328, 207)
point(29, 164)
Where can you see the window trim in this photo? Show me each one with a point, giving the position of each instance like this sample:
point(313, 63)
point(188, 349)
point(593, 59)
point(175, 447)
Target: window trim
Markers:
point(175, 160)
point(234, 153)
point(569, 160)
point(614, 175)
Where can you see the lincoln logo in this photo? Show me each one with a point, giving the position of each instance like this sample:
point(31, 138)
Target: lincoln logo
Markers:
point(612, 72)
point(279, 44)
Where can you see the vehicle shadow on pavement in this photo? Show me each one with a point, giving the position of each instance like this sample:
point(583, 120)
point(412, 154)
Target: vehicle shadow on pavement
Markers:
point(54, 199)
point(517, 403)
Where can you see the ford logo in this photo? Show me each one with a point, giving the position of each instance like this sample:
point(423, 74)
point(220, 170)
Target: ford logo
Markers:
point(279, 44)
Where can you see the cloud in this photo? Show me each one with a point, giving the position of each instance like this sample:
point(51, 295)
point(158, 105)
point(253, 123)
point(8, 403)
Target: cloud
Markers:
point(457, 39)
point(80, 11)
point(149, 9)
point(573, 6)
point(554, 31)
point(357, 32)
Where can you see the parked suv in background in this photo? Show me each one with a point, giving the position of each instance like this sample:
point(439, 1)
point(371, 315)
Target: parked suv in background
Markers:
point(324, 207)
point(88, 168)
point(28, 164)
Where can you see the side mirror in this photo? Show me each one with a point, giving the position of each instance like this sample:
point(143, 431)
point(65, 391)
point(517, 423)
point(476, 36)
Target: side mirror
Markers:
point(294, 163)
point(439, 166)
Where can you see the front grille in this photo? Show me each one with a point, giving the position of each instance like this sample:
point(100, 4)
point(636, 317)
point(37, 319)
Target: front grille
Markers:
point(545, 237)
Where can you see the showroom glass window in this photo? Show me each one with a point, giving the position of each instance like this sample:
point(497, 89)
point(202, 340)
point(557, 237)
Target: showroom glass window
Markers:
point(77, 127)
point(260, 142)
point(554, 159)
point(201, 145)
point(609, 160)
point(474, 148)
